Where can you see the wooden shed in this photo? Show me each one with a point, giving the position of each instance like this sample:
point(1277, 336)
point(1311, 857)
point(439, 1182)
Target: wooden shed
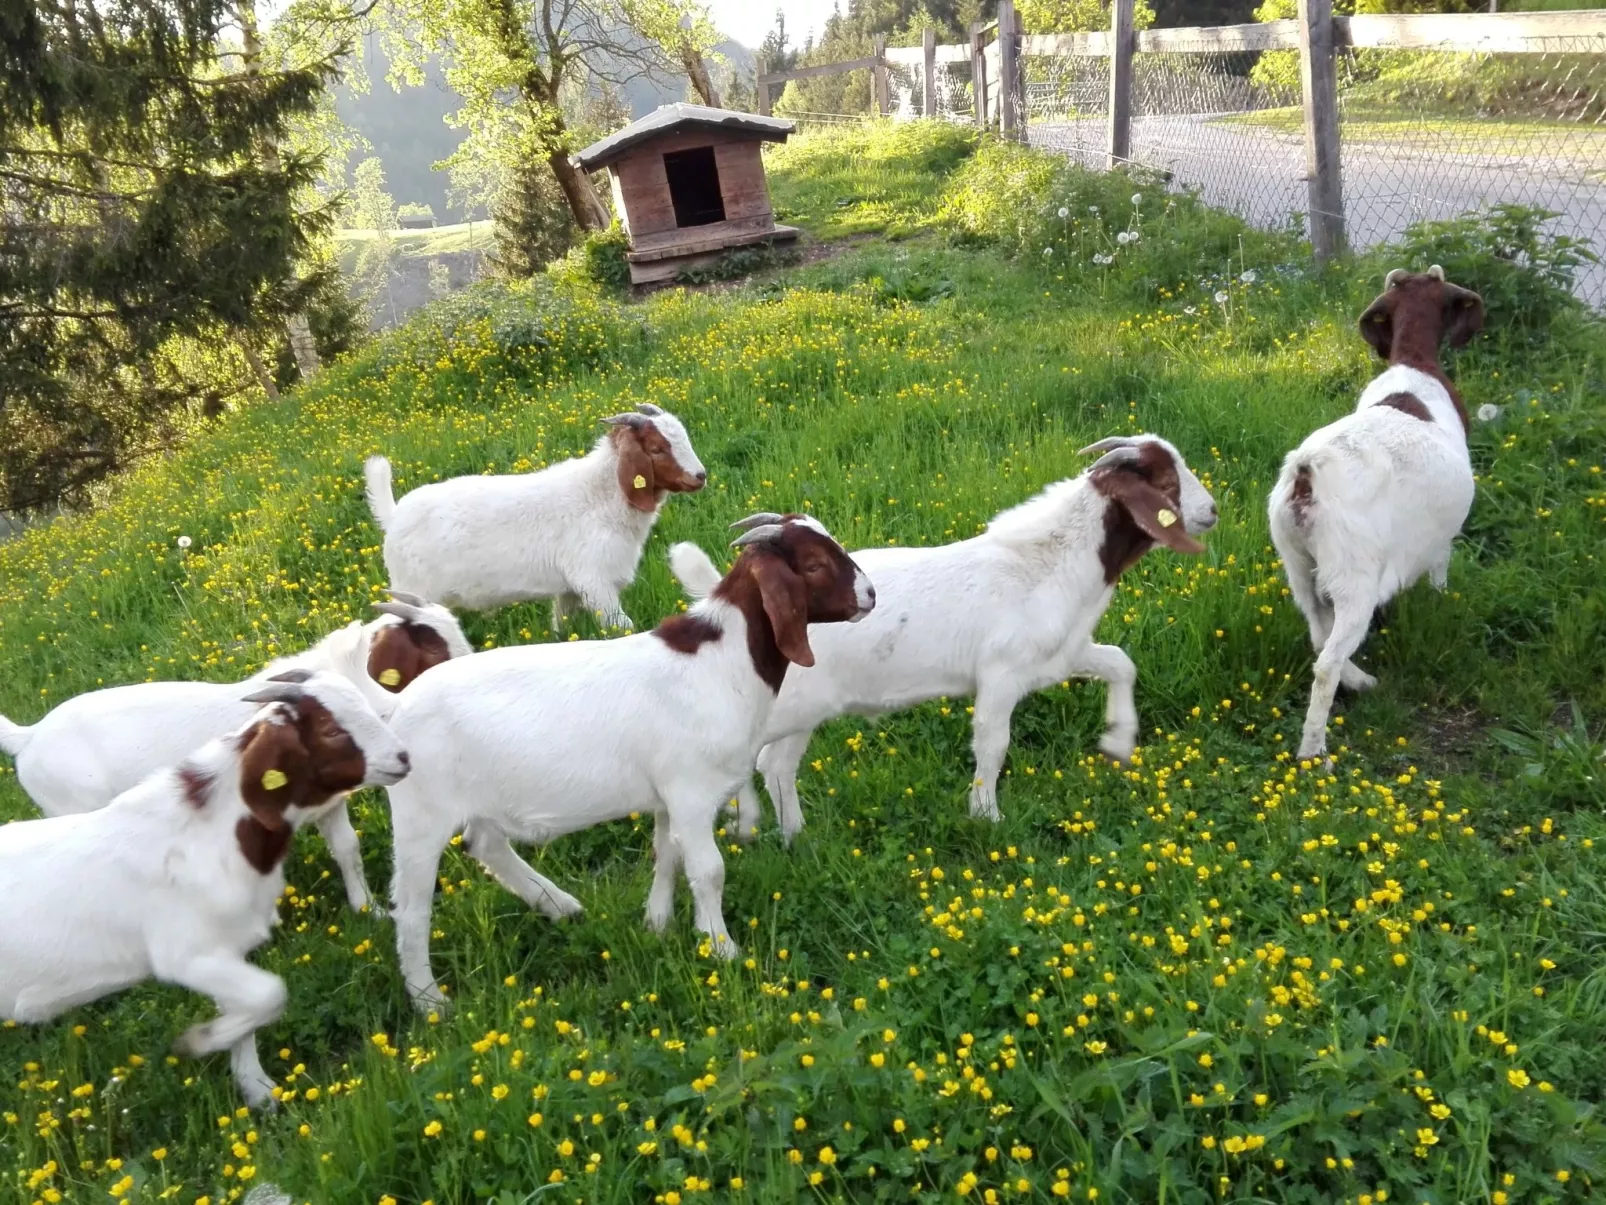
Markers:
point(688, 184)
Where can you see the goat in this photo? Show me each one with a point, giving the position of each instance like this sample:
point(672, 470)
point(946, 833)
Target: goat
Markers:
point(576, 528)
point(179, 878)
point(997, 616)
point(1368, 505)
point(93, 747)
point(536, 741)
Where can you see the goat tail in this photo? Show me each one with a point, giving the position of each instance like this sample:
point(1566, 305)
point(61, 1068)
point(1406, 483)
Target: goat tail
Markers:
point(381, 495)
point(694, 569)
point(14, 738)
point(1294, 495)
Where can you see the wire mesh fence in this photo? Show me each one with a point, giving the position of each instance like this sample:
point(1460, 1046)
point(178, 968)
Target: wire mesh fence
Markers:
point(1424, 133)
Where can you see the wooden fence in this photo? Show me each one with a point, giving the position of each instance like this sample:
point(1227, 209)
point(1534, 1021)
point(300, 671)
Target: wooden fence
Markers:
point(997, 50)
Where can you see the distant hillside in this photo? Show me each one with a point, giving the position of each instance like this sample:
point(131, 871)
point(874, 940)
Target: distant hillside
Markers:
point(409, 133)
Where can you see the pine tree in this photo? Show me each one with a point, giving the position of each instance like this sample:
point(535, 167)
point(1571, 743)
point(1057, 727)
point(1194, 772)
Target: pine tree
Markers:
point(138, 211)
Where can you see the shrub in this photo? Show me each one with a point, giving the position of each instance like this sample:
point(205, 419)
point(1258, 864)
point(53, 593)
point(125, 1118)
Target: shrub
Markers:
point(599, 259)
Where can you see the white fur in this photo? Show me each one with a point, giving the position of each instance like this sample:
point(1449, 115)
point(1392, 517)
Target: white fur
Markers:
point(996, 617)
point(93, 747)
point(533, 742)
point(561, 533)
point(154, 887)
point(1389, 494)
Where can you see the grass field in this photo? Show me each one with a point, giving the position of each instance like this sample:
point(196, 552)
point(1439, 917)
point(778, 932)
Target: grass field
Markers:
point(1210, 975)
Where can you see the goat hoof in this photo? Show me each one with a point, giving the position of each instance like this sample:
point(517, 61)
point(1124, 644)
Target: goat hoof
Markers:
point(1353, 678)
point(193, 1042)
point(258, 1094)
point(560, 905)
point(431, 1000)
point(724, 948)
point(1116, 749)
point(1313, 749)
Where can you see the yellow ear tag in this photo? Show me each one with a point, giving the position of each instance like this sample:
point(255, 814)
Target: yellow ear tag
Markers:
point(1165, 517)
point(390, 677)
point(640, 482)
point(273, 780)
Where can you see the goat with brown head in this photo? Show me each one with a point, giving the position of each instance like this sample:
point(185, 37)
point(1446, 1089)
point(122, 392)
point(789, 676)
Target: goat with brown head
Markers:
point(400, 651)
point(1415, 313)
point(1154, 499)
point(655, 457)
point(791, 573)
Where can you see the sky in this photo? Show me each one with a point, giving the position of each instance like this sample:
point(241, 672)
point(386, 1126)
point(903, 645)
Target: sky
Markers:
point(747, 21)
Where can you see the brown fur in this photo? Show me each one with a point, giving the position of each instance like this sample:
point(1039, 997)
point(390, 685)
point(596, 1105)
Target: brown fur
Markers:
point(686, 633)
point(783, 585)
point(1408, 403)
point(645, 454)
point(1137, 492)
point(318, 760)
point(1301, 497)
point(407, 648)
point(196, 785)
point(1411, 318)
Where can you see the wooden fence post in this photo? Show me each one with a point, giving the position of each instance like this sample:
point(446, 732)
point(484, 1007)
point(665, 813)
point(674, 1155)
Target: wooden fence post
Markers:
point(1318, 79)
point(978, 72)
point(928, 43)
point(763, 94)
point(1008, 69)
point(878, 77)
point(1122, 40)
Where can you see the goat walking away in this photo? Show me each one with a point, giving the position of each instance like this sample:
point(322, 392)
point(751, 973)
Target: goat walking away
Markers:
point(536, 741)
point(1370, 504)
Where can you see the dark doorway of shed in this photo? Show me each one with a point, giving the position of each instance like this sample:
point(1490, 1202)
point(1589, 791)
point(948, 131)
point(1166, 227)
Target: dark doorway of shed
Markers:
point(694, 186)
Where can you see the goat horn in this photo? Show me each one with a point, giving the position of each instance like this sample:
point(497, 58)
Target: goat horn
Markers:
point(625, 420)
point(648, 409)
point(277, 692)
point(763, 518)
point(1115, 456)
point(399, 609)
point(1394, 276)
point(758, 535)
point(1107, 444)
point(292, 675)
point(1436, 272)
point(405, 596)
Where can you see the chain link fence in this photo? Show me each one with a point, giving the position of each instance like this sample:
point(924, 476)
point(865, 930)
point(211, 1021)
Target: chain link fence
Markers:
point(1424, 133)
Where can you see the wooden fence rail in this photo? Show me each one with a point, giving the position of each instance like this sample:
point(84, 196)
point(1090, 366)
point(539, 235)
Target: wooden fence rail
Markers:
point(997, 52)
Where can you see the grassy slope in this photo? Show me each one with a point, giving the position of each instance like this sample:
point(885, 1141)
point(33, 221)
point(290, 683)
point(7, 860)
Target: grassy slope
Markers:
point(1209, 975)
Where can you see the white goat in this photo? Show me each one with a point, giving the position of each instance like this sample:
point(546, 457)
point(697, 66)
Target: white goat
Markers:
point(179, 878)
point(998, 616)
point(541, 740)
point(576, 528)
point(1369, 504)
point(93, 747)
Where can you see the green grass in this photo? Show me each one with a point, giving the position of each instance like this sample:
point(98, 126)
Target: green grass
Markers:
point(1210, 975)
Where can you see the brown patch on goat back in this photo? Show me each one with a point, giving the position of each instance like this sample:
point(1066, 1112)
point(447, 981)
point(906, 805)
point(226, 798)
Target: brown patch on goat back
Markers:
point(1124, 541)
point(195, 784)
point(1408, 403)
point(402, 651)
point(262, 847)
point(1301, 497)
point(686, 633)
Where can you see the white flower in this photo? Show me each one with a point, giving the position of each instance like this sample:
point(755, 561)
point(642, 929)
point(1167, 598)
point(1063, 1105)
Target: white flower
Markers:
point(1250, 276)
point(1064, 212)
point(1188, 309)
point(1221, 296)
point(1092, 208)
point(1048, 251)
point(183, 541)
point(1103, 259)
point(1137, 198)
point(1124, 238)
point(1488, 412)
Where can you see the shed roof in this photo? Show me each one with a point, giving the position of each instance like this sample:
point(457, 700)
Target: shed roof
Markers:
point(668, 118)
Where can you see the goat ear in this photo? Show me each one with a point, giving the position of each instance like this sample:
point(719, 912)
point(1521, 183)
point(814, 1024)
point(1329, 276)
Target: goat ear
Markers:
point(635, 471)
point(787, 606)
point(1377, 327)
point(393, 659)
point(273, 771)
point(1463, 315)
point(1153, 512)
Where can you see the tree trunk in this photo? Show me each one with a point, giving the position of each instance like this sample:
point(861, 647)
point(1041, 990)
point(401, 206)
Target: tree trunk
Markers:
point(587, 208)
point(697, 71)
point(259, 370)
point(296, 326)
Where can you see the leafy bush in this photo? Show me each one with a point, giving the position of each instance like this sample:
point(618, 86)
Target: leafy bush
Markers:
point(1524, 273)
point(599, 259)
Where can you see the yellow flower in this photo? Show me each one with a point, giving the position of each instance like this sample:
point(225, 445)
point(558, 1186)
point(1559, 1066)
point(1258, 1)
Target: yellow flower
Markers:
point(1518, 1078)
point(433, 1129)
point(827, 1156)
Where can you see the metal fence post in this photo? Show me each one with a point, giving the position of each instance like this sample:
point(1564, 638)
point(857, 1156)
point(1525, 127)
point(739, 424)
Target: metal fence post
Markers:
point(1318, 80)
point(1008, 68)
point(928, 43)
point(978, 72)
point(878, 77)
point(1121, 44)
